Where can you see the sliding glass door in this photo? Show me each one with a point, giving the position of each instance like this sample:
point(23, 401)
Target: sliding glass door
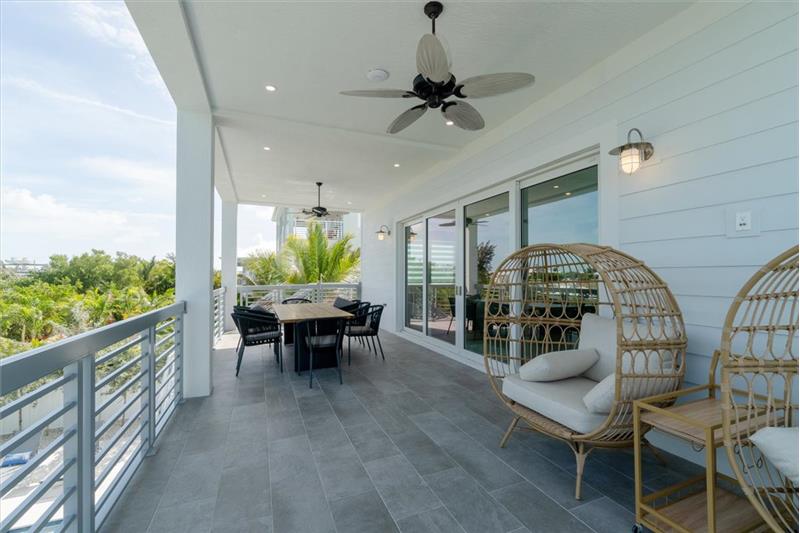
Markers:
point(415, 272)
point(487, 229)
point(441, 278)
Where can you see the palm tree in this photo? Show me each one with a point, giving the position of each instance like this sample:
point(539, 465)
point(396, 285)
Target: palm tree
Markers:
point(314, 260)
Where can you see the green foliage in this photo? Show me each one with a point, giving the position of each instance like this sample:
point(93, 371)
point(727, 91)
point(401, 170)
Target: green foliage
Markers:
point(75, 294)
point(313, 260)
point(265, 268)
point(303, 261)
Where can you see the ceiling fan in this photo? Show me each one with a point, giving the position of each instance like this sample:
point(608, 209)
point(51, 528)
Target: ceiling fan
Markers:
point(435, 84)
point(468, 221)
point(319, 211)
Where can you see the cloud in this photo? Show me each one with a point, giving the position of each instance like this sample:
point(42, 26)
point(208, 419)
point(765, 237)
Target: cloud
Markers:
point(33, 86)
point(35, 224)
point(129, 171)
point(257, 243)
point(110, 24)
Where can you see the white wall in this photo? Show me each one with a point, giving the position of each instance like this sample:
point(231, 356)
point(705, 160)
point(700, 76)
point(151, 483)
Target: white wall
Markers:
point(715, 90)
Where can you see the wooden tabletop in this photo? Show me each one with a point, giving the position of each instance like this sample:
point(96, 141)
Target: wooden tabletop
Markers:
point(292, 313)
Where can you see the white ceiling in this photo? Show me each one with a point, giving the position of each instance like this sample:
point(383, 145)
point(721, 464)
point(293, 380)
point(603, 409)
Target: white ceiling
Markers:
point(312, 50)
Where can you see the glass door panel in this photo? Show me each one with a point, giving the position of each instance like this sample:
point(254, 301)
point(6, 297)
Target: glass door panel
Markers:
point(562, 210)
point(487, 226)
point(415, 264)
point(441, 276)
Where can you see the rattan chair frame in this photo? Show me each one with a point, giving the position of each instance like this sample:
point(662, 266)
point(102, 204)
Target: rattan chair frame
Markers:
point(759, 362)
point(534, 305)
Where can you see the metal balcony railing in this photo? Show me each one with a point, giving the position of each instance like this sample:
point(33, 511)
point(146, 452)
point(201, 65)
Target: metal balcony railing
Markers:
point(84, 412)
point(219, 312)
point(317, 292)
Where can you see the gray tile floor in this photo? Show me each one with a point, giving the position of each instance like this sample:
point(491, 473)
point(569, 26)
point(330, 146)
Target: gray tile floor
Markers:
point(409, 444)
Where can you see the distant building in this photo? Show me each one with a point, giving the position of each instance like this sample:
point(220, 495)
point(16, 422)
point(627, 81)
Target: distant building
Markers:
point(21, 266)
point(289, 221)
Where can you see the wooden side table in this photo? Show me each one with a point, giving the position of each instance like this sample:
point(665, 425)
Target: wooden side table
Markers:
point(697, 504)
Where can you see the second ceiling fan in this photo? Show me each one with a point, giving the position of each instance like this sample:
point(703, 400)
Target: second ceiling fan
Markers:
point(435, 84)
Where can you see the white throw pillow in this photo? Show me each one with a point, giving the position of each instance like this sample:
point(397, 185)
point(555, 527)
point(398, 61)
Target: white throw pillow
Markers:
point(779, 446)
point(558, 365)
point(601, 397)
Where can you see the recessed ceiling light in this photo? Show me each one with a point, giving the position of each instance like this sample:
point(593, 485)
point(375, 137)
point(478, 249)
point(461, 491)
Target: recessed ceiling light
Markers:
point(378, 74)
point(270, 88)
point(267, 148)
point(567, 194)
point(349, 202)
point(448, 123)
point(396, 165)
point(555, 186)
point(263, 196)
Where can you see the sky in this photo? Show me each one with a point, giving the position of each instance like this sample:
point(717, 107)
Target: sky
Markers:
point(87, 138)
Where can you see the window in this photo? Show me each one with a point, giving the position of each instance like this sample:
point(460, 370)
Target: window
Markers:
point(562, 210)
point(415, 262)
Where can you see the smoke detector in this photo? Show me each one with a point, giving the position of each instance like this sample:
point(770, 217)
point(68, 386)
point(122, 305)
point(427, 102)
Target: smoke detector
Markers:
point(378, 74)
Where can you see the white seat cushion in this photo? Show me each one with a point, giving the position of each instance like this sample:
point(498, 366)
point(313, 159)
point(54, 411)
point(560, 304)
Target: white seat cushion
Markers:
point(560, 401)
point(599, 333)
point(558, 365)
point(779, 446)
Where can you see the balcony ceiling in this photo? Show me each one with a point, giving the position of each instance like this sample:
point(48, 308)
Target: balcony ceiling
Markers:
point(312, 50)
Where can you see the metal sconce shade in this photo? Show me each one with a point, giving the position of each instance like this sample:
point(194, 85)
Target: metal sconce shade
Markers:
point(383, 232)
point(631, 154)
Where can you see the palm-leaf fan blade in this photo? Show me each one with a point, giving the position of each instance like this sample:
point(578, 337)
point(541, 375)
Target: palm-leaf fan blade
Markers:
point(464, 116)
point(407, 118)
point(493, 84)
point(432, 60)
point(380, 93)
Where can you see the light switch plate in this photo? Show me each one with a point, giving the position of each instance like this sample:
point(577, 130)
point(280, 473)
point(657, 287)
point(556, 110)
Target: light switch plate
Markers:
point(742, 220)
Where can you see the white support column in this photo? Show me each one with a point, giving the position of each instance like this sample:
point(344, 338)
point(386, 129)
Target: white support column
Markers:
point(194, 245)
point(229, 281)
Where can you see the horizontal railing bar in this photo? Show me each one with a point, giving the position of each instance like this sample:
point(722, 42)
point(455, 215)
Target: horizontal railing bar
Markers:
point(108, 378)
point(110, 467)
point(28, 467)
point(48, 514)
point(165, 338)
point(118, 435)
point(34, 495)
point(67, 523)
point(121, 476)
point(161, 422)
point(166, 353)
point(122, 410)
point(119, 392)
point(19, 370)
point(158, 404)
point(11, 444)
point(34, 395)
point(117, 351)
point(168, 364)
point(165, 325)
point(166, 381)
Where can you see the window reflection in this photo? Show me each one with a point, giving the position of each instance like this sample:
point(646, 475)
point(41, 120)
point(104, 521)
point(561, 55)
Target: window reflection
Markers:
point(415, 262)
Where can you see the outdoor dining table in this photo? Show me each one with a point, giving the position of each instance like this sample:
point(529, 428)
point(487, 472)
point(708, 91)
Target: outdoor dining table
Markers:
point(300, 316)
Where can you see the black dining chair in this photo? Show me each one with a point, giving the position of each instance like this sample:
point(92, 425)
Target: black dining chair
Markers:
point(365, 326)
point(324, 334)
point(296, 301)
point(257, 328)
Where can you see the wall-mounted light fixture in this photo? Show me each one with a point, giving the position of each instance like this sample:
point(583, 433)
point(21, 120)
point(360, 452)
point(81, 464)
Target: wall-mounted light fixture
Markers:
point(383, 232)
point(631, 154)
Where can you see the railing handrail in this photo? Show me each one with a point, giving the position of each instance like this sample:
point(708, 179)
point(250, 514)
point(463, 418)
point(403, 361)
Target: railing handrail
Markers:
point(326, 285)
point(23, 368)
point(218, 291)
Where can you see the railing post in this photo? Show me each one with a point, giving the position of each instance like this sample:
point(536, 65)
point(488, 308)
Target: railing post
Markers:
point(179, 355)
point(81, 447)
point(149, 362)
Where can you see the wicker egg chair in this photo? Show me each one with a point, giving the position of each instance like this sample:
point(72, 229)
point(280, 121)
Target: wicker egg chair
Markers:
point(536, 303)
point(759, 361)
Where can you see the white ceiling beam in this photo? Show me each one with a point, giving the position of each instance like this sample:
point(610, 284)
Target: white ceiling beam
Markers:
point(228, 117)
point(165, 31)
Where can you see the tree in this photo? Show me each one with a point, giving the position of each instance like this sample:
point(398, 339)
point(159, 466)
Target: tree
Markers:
point(265, 268)
point(313, 260)
point(485, 258)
